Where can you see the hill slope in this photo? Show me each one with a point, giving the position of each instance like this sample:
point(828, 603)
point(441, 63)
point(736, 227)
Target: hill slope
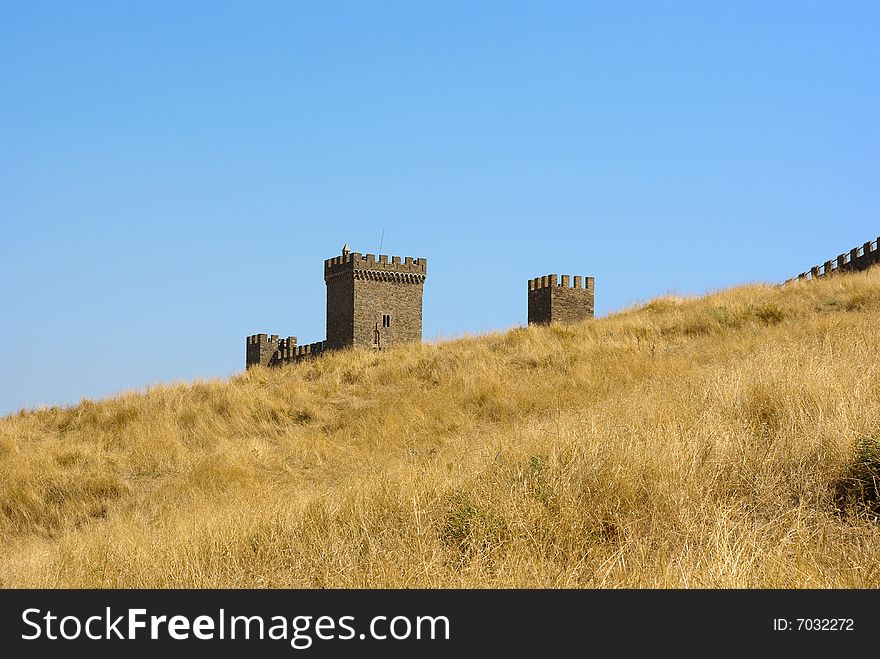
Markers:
point(727, 441)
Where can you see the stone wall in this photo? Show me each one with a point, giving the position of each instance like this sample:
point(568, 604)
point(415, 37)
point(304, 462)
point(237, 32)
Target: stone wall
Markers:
point(387, 312)
point(293, 353)
point(858, 258)
point(269, 350)
point(263, 349)
point(340, 310)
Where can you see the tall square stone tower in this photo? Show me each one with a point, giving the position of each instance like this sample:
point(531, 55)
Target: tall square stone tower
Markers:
point(373, 302)
point(552, 301)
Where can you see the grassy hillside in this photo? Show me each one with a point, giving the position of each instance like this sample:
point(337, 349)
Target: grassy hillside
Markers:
point(727, 441)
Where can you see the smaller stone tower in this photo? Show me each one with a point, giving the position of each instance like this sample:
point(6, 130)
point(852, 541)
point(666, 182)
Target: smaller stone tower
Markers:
point(551, 301)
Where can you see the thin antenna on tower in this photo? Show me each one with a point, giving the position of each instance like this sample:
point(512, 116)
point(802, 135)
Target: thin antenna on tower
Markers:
point(381, 240)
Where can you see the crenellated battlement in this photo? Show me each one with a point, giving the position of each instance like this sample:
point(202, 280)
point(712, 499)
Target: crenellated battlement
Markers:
point(258, 339)
point(566, 281)
point(858, 258)
point(383, 267)
point(264, 349)
point(295, 353)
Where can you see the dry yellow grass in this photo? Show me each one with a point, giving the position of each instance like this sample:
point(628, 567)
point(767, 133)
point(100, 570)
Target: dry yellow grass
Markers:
point(726, 441)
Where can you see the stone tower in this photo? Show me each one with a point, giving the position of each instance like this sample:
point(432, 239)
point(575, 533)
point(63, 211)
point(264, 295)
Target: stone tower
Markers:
point(553, 302)
point(373, 302)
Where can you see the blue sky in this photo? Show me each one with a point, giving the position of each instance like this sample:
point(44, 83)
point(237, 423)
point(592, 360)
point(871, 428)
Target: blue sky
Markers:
point(175, 173)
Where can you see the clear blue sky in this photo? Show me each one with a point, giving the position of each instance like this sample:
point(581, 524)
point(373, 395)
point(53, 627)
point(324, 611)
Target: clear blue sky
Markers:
point(173, 174)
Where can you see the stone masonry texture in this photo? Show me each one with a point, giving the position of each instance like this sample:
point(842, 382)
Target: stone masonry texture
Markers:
point(553, 301)
point(374, 302)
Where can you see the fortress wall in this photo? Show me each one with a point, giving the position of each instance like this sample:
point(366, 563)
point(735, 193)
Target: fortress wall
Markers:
point(858, 258)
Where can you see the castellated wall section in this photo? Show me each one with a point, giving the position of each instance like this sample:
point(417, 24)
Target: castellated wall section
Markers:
point(553, 301)
point(269, 350)
point(858, 258)
point(261, 349)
